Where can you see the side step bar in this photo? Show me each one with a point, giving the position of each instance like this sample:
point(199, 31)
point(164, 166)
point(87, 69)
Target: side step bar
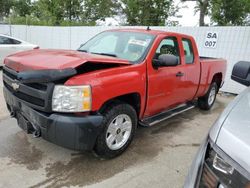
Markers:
point(166, 115)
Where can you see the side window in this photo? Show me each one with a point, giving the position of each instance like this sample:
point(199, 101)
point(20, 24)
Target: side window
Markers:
point(168, 46)
point(6, 40)
point(15, 41)
point(188, 50)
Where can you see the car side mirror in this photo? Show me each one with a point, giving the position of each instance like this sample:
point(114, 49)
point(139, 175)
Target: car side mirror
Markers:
point(165, 60)
point(241, 73)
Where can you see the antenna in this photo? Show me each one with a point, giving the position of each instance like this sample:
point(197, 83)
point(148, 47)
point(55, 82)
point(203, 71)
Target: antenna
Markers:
point(148, 28)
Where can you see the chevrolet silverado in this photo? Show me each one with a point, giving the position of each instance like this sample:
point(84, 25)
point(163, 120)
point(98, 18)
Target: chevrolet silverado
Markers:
point(94, 98)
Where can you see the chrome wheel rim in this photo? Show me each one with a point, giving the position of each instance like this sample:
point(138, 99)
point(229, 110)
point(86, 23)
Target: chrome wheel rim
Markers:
point(211, 96)
point(118, 132)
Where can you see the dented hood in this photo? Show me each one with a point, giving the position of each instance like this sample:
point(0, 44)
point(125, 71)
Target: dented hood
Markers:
point(56, 60)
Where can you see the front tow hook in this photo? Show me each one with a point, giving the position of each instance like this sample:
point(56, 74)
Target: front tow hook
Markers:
point(36, 133)
point(12, 114)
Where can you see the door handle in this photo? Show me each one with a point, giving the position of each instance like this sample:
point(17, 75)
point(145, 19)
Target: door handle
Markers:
point(179, 74)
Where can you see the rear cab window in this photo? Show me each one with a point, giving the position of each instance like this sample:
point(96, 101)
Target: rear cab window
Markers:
point(188, 51)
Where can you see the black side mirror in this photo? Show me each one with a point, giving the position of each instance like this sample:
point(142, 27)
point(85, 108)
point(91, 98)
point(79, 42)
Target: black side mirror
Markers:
point(241, 73)
point(165, 60)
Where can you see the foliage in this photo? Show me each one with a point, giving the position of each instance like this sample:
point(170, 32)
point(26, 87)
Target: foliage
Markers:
point(22, 7)
point(99, 9)
point(224, 12)
point(202, 6)
point(148, 12)
point(5, 6)
point(233, 12)
point(135, 12)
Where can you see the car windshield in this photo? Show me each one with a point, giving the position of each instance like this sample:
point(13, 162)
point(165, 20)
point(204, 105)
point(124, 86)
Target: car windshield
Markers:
point(131, 46)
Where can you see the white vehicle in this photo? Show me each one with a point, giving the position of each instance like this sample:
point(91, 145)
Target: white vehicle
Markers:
point(10, 45)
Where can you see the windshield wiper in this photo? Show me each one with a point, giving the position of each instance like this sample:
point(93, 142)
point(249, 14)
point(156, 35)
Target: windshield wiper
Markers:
point(79, 50)
point(107, 54)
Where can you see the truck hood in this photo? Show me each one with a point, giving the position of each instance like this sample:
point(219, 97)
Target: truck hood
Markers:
point(56, 60)
point(234, 135)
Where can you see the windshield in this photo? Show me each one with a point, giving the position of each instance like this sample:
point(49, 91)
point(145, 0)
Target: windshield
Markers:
point(125, 45)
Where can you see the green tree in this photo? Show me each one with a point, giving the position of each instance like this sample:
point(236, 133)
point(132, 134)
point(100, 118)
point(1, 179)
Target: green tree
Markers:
point(148, 12)
point(5, 6)
point(72, 9)
point(233, 12)
point(50, 11)
point(22, 7)
point(94, 10)
point(57, 12)
point(202, 6)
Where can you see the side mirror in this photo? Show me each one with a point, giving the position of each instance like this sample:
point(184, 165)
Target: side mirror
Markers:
point(241, 73)
point(165, 60)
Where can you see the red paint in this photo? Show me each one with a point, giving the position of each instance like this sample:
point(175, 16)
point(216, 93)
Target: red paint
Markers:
point(55, 59)
point(159, 89)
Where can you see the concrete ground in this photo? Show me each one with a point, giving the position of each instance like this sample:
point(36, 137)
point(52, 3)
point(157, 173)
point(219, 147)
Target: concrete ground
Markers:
point(159, 156)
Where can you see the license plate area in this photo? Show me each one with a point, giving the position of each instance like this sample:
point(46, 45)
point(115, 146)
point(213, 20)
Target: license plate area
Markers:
point(24, 124)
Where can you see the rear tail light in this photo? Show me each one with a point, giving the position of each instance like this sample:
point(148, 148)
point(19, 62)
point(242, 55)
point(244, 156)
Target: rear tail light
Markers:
point(37, 47)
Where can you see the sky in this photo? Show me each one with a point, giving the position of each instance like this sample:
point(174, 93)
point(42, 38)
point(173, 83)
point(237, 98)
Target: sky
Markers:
point(189, 18)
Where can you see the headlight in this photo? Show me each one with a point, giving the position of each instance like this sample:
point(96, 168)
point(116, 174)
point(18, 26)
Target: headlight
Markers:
point(221, 165)
point(71, 98)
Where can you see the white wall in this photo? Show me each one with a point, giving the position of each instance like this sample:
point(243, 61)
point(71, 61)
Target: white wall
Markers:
point(233, 42)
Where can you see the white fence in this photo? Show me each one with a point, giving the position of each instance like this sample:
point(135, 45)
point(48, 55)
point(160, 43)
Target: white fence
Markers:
point(232, 43)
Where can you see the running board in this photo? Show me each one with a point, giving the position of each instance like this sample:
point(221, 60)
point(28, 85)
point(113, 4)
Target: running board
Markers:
point(166, 115)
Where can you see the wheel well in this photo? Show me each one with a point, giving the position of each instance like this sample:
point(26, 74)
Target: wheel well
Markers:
point(133, 99)
point(217, 78)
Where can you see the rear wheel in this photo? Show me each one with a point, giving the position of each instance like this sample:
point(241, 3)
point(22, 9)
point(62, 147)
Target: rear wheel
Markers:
point(120, 122)
point(207, 101)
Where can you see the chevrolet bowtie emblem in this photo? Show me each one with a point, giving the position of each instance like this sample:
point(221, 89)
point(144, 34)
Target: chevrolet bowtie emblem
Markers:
point(15, 86)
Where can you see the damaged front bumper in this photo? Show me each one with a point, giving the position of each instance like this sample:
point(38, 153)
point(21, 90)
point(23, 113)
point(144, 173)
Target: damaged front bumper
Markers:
point(67, 130)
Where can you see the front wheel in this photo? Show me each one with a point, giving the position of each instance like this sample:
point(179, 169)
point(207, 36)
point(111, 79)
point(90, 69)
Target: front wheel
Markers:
point(207, 101)
point(120, 122)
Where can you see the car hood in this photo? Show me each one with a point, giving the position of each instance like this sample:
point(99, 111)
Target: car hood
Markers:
point(56, 59)
point(234, 135)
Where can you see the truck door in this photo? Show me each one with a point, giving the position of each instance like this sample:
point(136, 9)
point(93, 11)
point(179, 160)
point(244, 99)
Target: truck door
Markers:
point(191, 68)
point(167, 86)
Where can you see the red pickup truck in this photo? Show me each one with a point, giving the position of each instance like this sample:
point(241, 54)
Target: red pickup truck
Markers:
point(94, 98)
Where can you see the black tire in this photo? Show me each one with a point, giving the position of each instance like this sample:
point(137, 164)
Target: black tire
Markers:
point(101, 147)
point(203, 102)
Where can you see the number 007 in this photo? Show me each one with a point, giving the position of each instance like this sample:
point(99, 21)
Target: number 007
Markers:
point(210, 43)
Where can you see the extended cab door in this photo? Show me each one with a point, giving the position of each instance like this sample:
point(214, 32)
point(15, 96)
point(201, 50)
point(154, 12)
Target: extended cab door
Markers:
point(191, 67)
point(170, 86)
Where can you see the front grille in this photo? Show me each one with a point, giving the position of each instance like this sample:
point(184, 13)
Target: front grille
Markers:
point(208, 178)
point(213, 176)
point(38, 86)
point(10, 73)
point(25, 97)
point(35, 95)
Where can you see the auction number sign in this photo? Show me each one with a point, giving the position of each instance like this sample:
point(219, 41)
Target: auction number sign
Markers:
point(211, 39)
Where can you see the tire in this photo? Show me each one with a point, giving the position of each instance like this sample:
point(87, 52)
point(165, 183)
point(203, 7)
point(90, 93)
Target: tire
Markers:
point(119, 122)
point(206, 102)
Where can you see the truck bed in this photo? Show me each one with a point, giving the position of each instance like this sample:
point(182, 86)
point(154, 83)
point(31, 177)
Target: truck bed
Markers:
point(209, 67)
point(204, 58)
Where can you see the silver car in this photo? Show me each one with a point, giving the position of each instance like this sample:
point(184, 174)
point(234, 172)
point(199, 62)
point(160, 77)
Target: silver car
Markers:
point(223, 159)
